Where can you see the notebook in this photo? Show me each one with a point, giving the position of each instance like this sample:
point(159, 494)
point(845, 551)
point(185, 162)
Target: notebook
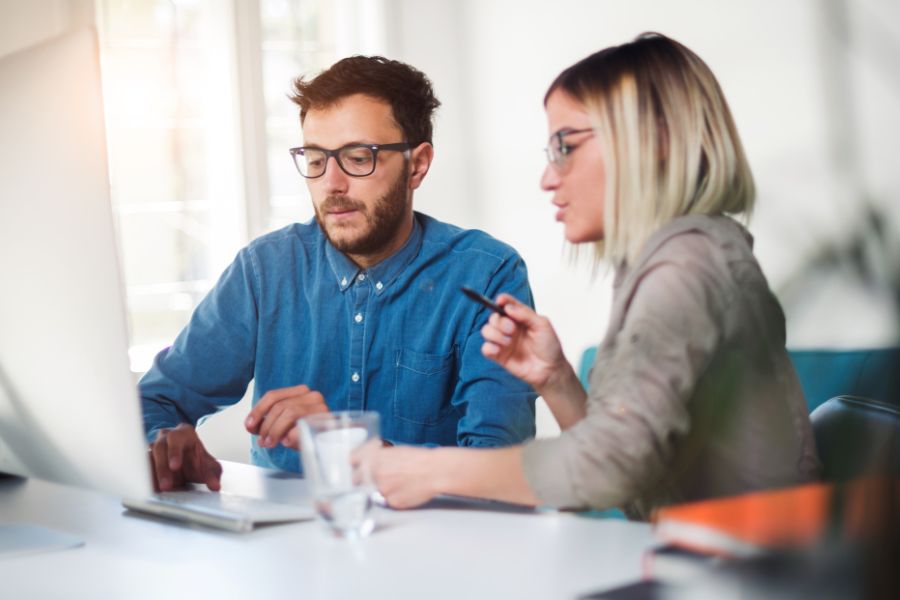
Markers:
point(795, 517)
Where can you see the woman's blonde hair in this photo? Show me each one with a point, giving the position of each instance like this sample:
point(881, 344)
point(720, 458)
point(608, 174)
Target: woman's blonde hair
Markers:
point(670, 143)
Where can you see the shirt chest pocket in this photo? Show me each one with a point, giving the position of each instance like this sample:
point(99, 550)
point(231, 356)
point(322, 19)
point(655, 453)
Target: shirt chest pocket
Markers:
point(423, 386)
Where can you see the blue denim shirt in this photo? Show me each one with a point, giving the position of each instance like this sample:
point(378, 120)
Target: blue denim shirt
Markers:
point(398, 338)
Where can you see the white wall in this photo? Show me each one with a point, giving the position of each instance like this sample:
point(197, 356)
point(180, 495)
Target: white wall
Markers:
point(25, 23)
point(780, 66)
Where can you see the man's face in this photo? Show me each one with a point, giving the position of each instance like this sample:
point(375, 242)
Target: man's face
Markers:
point(367, 218)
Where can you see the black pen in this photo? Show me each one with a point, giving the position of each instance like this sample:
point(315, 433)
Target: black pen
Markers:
point(473, 295)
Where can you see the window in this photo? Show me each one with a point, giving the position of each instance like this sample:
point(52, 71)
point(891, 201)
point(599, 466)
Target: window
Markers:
point(199, 125)
point(304, 38)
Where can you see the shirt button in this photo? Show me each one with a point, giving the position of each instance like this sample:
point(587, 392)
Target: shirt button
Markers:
point(361, 277)
point(378, 286)
point(358, 318)
point(343, 282)
point(355, 377)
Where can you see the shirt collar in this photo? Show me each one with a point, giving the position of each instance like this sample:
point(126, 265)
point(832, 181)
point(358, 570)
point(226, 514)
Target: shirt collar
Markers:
point(381, 275)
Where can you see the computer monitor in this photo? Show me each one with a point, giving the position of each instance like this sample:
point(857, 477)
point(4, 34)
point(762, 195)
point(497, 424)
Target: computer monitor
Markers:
point(69, 409)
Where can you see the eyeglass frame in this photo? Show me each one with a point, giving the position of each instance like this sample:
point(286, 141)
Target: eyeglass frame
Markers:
point(563, 149)
point(375, 148)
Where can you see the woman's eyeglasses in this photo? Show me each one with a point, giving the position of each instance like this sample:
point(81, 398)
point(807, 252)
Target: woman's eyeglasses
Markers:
point(558, 150)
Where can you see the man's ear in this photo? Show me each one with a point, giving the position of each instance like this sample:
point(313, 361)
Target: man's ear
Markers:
point(419, 162)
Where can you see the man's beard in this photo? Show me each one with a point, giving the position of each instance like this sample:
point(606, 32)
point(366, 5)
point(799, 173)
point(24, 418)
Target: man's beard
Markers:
point(382, 224)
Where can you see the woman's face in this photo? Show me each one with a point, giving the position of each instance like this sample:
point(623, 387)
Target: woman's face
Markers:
point(578, 183)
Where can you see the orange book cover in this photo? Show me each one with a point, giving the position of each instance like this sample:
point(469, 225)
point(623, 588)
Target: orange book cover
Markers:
point(784, 518)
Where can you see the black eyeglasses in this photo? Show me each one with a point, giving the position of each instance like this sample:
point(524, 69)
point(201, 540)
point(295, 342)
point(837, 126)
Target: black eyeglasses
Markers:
point(356, 160)
point(558, 150)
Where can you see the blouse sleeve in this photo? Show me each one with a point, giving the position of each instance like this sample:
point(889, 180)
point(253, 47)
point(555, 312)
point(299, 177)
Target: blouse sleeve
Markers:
point(641, 383)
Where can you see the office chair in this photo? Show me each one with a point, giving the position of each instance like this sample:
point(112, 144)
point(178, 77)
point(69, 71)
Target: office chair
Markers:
point(826, 373)
point(584, 365)
point(584, 370)
point(868, 372)
point(857, 436)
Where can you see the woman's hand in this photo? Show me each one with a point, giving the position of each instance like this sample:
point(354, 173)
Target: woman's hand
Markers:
point(524, 343)
point(405, 476)
point(408, 476)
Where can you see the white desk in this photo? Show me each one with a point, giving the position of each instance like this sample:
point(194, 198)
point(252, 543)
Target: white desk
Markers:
point(428, 553)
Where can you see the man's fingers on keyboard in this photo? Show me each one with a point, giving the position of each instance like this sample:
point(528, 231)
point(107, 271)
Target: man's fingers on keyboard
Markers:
point(176, 445)
point(213, 482)
point(211, 472)
point(153, 469)
point(160, 455)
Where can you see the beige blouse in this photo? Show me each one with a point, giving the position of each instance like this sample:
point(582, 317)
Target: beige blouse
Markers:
point(692, 394)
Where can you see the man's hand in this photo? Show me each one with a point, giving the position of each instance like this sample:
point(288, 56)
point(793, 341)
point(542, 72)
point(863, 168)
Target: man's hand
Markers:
point(274, 418)
point(178, 457)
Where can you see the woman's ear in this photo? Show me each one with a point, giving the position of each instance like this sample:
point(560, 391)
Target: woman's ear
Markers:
point(419, 162)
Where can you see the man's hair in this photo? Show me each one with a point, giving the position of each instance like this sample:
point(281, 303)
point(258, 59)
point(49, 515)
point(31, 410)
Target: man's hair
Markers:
point(406, 89)
point(669, 139)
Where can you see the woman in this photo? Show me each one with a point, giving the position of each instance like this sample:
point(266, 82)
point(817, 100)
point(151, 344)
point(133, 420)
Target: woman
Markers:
point(692, 394)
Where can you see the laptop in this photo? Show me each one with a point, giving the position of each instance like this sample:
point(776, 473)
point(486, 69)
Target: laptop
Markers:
point(254, 496)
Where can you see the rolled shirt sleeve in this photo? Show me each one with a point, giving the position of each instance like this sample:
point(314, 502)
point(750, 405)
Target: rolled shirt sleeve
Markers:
point(211, 362)
point(498, 407)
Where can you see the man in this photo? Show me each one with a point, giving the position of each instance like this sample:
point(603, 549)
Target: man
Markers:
point(358, 309)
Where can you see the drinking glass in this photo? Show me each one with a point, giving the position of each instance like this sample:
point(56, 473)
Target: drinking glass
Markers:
point(334, 448)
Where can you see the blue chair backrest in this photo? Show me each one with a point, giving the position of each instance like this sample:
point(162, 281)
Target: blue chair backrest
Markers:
point(870, 373)
point(584, 370)
point(584, 367)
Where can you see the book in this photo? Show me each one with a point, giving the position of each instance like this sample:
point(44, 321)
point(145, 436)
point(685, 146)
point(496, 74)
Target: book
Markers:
point(782, 519)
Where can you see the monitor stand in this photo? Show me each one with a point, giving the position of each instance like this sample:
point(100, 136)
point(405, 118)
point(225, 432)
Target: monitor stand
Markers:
point(17, 539)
